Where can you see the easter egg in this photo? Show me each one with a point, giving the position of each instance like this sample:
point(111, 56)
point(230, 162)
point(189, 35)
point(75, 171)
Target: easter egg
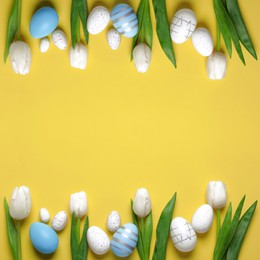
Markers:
point(59, 221)
point(113, 221)
point(43, 22)
point(183, 235)
point(202, 41)
point(125, 20)
point(182, 26)
point(44, 239)
point(113, 39)
point(124, 240)
point(98, 240)
point(202, 218)
point(98, 20)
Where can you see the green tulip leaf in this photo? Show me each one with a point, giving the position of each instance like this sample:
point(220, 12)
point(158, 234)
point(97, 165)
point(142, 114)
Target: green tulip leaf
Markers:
point(74, 17)
point(148, 231)
point(74, 243)
point(83, 14)
point(83, 247)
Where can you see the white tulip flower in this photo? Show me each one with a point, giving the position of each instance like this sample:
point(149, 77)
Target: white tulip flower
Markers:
point(216, 66)
point(20, 57)
point(142, 203)
point(78, 56)
point(20, 203)
point(142, 57)
point(79, 204)
point(216, 194)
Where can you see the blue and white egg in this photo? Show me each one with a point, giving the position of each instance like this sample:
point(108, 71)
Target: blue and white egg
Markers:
point(124, 240)
point(125, 20)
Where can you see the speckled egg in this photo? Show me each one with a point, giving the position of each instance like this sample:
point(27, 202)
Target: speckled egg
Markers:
point(202, 218)
point(98, 240)
point(98, 20)
point(59, 39)
point(44, 215)
point(124, 240)
point(125, 20)
point(113, 39)
point(113, 221)
point(202, 41)
point(59, 221)
point(44, 239)
point(183, 25)
point(43, 22)
point(183, 235)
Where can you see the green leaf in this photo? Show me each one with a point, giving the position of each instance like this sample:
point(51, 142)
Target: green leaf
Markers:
point(83, 14)
point(163, 229)
point(74, 16)
point(12, 27)
point(236, 243)
point(140, 247)
point(236, 16)
point(163, 30)
point(11, 231)
point(148, 231)
point(83, 248)
point(74, 243)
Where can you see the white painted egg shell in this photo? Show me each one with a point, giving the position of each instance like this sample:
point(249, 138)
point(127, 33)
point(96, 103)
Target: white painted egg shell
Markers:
point(202, 42)
point(98, 20)
point(125, 20)
point(183, 25)
point(98, 240)
point(44, 215)
point(202, 218)
point(183, 235)
point(124, 240)
point(113, 221)
point(113, 39)
point(59, 221)
point(59, 39)
point(44, 45)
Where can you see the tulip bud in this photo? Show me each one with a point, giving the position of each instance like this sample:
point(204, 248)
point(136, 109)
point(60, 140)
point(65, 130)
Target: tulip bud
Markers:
point(217, 65)
point(142, 57)
point(78, 56)
point(20, 203)
point(20, 57)
point(142, 203)
point(216, 194)
point(79, 204)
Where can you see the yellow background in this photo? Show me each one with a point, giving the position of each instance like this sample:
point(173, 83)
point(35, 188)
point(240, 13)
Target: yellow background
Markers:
point(109, 130)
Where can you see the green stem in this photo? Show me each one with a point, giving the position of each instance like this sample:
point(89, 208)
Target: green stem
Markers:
point(19, 15)
point(78, 230)
point(19, 248)
point(218, 37)
point(218, 222)
point(142, 224)
point(78, 30)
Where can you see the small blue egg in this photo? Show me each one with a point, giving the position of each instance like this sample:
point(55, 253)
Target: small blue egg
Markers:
point(44, 239)
point(125, 20)
point(43, 22)
point(124, 240)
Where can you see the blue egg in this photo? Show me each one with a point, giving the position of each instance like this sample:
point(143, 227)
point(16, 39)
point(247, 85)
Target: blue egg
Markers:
point(124, 240)
point(125, 20)
point(44, 238)
point(43, 22)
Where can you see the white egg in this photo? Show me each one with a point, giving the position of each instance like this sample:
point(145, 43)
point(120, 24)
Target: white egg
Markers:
point(59, 39)
point(44, 215)
point(59, 221)
point(202, 41)
point(202, 218)
point(98, 240)
point(98, 20)
point(113, 221)
point(183, 235)
point(44, 45)
point(182, 26)
point(113, 39)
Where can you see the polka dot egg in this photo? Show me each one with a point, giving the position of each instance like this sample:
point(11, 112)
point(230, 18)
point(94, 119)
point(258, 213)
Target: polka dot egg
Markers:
point(124, 240)
point(125, 20)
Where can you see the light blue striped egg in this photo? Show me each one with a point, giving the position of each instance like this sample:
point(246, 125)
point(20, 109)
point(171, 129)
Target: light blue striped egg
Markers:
point(124, 240)
point(125, 20)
